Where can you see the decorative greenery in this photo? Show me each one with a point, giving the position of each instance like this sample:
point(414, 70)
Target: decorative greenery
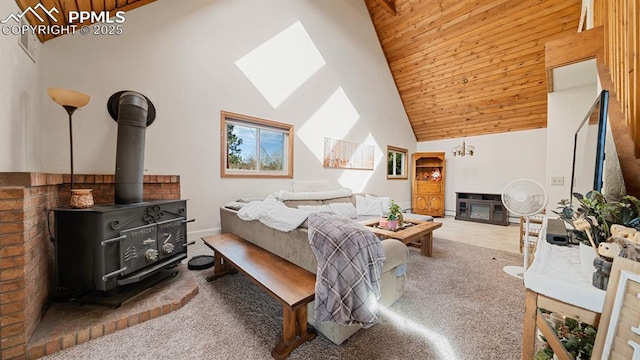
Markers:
point(394, 212)
point(578, 339)
point(600, 213)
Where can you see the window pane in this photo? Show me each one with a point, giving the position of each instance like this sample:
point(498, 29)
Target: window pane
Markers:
point(396, 163)
point(241, 147)
point(272, 150)
point(254, 147)
point(390, 165)
point(399, 164)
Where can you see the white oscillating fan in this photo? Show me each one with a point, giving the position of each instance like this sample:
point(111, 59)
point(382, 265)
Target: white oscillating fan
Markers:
point(523, 197)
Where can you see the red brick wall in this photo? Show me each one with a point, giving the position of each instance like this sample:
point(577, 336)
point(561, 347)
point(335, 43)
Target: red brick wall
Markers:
point(26, 252)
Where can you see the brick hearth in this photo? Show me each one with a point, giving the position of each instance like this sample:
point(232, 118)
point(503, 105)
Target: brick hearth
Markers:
point(26, 252)
point(69, 324)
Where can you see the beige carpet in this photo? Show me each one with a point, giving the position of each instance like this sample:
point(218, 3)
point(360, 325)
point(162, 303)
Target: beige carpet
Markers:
point(458, 305)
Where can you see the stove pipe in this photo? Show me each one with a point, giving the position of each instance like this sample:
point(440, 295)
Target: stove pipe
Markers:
point(132, 124)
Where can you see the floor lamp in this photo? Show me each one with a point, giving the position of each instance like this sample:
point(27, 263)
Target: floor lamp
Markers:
point(70, 101)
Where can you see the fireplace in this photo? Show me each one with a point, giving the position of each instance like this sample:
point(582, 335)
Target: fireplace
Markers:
point(108, 246)
point(28, 259)
point(479, 207)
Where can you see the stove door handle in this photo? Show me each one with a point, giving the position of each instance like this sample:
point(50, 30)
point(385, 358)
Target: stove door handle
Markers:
point(111, 274)
point(115, 239)
point(190, 243)
point(188, 221)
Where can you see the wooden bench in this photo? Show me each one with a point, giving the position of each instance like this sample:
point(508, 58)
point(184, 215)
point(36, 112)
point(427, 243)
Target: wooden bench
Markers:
point(290, 285)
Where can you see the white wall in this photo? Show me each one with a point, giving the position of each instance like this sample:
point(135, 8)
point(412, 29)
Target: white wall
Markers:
point(182, 56)
point(566, 108)
point(499, 158)
point(20, 97)
point(575, 92)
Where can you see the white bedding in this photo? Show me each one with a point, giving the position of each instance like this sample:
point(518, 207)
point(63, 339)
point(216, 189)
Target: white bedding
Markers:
point(273, 213)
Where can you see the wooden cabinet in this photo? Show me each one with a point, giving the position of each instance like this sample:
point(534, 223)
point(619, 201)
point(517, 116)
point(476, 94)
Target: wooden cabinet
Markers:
point(427, 190)
point(486, 208)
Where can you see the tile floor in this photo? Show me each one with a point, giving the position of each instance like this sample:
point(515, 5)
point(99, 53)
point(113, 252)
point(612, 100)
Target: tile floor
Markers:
point(487, 235)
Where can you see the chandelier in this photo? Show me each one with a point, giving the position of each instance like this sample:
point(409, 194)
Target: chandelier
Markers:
point(464, 149)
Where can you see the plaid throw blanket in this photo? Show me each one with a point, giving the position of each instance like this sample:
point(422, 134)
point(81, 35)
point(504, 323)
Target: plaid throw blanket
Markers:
point(349, 267)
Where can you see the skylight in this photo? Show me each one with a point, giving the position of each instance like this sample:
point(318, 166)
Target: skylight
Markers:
point(279, 66)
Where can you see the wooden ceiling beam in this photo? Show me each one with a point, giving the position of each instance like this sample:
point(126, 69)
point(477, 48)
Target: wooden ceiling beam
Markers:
point(572, 49)
point(389, 6)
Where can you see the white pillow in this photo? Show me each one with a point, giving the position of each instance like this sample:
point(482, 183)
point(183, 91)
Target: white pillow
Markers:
point(385, 202)
point(312, 185)
point(344, 209)
point(368, 206)
point(315, 208)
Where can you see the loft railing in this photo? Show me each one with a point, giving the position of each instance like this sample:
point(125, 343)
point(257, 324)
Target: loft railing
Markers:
point(619, 70)
point(621, 22)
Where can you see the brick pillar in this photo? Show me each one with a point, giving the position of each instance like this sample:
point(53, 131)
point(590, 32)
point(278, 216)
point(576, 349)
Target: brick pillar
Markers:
point(26, 253)
point(26, 256)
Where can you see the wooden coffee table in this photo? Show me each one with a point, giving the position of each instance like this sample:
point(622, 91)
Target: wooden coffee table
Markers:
point(419, 234)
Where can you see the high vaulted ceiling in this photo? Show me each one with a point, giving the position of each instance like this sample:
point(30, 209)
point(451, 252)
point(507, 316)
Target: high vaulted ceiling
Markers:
point(467, 67)
point(462, 67)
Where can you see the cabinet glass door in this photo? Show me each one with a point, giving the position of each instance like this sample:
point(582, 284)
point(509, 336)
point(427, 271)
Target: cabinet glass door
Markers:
point(462, 209)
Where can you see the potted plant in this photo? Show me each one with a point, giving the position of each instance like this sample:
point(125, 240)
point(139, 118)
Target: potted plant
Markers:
point(394, 215)
point(578, 338)
point(600, 213)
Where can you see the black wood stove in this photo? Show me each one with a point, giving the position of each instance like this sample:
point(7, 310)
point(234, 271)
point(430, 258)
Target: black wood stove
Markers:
point(106, 248)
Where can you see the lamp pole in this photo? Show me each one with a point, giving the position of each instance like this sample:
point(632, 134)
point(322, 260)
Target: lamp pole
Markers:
point(70, 111)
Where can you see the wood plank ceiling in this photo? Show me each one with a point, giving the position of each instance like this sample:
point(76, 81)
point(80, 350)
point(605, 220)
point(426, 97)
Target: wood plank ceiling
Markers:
point(466, 67)
point(65, 6)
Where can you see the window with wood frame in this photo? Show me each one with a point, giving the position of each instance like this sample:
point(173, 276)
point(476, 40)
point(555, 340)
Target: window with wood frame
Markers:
point(396, 163)
point(254, 147)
